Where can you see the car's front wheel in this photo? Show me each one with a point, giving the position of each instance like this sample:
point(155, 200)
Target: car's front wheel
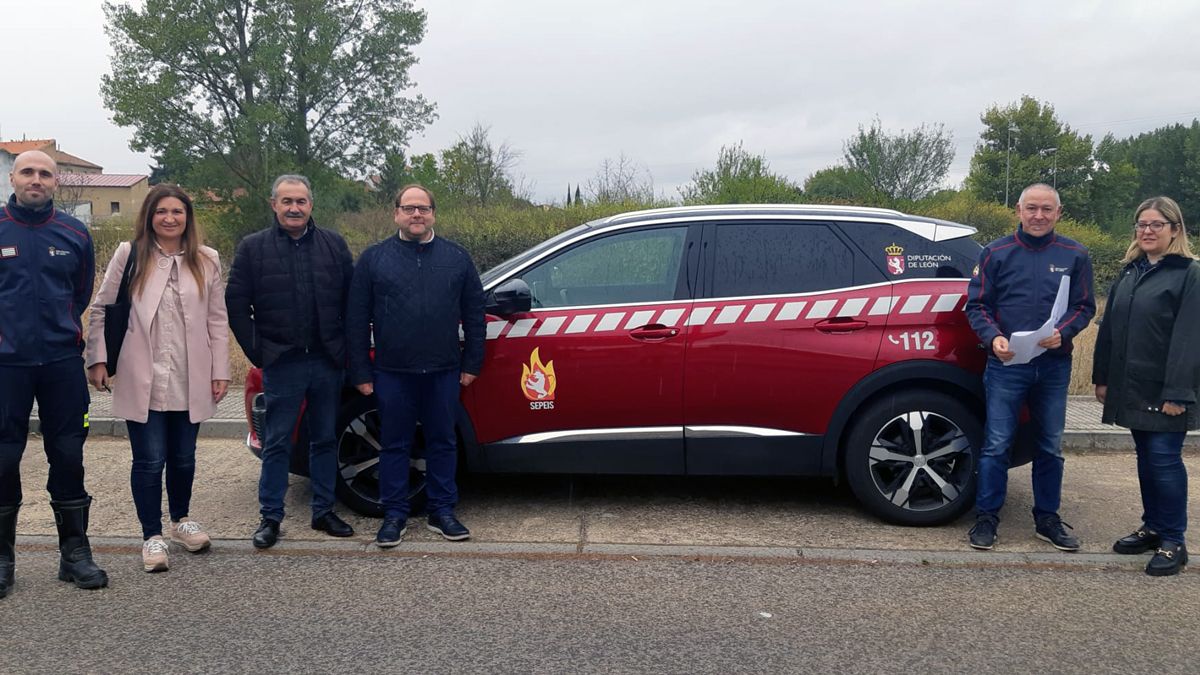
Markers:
point(910, 457)
point(358, 444)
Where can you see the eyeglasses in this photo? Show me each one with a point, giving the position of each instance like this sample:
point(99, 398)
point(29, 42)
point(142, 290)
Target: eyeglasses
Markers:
point(1153, 225)
point(409, 210)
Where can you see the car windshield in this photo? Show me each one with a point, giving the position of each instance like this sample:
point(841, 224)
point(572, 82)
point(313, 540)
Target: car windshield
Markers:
point(515, 261)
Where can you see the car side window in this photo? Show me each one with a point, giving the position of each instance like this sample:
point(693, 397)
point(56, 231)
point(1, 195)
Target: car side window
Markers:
point(637, 266)
point(773, 258)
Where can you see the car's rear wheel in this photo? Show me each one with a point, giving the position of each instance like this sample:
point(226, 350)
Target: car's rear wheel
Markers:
point(910, 457)
point(358, 443)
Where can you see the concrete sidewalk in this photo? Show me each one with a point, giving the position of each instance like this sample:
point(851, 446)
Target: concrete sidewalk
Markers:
point(1084, 432)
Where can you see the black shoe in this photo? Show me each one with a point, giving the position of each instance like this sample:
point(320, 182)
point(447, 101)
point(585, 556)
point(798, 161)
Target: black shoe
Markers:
point(983, 535)
point(332, 525)
point(1054, 530)
point(391, 532)
point(267, 533)
point(1169, 559)
point(75, 563)
point(1139, 541)
point(8, 540)
point(448, 526)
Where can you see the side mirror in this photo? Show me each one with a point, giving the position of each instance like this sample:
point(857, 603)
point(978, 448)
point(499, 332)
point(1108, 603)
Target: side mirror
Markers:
point(510, 297)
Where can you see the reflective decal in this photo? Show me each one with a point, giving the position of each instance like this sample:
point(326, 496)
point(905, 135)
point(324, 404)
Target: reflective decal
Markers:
point(538, 382)
point(895, 259)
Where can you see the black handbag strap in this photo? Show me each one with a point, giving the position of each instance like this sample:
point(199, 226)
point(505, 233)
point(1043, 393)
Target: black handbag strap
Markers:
point(123, 291)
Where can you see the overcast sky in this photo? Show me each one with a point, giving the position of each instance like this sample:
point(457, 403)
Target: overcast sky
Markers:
point(668, 82)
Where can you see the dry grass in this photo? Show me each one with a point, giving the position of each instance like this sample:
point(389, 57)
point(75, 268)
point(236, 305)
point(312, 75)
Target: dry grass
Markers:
point(1081, 366)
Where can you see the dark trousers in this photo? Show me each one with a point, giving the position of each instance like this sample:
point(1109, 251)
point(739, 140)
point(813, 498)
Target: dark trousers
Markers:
point(295, 382)
point(404, 400)
point(1163, 479)
point(164, 440)
point(61, 392)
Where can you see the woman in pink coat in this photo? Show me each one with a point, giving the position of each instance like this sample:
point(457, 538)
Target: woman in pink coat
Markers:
point(174, 363)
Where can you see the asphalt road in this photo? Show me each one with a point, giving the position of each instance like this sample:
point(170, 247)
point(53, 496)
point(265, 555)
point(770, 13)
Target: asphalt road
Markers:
point(240, 611)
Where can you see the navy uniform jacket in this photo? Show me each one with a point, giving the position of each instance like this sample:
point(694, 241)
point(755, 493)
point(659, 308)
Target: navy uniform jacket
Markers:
point(47, 270)
point(1017, 281)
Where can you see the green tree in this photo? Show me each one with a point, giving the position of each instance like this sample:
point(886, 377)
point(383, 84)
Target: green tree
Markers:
point(578, 196)
point(243, 90)
point(1167, 162)
point(842, 184)
point(905, 165)
point(1025, 143)
point(739, 178)
point(478, 171)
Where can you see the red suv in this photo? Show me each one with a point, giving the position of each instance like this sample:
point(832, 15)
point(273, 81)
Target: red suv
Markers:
point(722, 340)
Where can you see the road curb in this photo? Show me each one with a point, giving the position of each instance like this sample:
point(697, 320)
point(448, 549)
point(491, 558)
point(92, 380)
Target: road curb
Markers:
point(361, 546)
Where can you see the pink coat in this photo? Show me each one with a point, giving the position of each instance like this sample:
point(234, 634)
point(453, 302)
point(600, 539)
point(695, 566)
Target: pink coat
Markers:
point(206, 330)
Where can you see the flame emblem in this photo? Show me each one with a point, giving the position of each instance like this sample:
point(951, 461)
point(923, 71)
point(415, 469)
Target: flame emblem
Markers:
point(537, 379)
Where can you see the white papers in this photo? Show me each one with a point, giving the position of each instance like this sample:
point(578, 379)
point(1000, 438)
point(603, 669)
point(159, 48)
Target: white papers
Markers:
point(1024, 343)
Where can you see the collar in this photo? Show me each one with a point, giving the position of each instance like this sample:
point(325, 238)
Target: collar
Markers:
point(400, 234)
point(308, 229)
point(1029, 241)
point(28, 216)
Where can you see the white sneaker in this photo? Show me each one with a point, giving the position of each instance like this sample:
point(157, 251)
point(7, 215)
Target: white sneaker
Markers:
point(154, 554)
point(190, 535)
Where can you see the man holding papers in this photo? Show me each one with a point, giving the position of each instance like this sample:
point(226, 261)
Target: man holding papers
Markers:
point(1031, 295)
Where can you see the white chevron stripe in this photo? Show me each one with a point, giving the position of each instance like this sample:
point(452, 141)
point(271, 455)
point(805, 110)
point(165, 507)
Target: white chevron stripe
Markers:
point(882, 305)
point(671, 317)
point(699, 316)
point(730, 314)
point(947, 302)
point(821, 309)
point(610, 322)
point(521, 328)
point(914, 304)
point(790, 311)
point(760, 312)
point(580, 323)
point(551, 325)
point(640, 319)
point(493, 330)
point(852, 307)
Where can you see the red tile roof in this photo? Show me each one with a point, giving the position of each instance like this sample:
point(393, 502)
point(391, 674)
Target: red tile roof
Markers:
point(101, 179)
point(50, 147)
point(17, 147)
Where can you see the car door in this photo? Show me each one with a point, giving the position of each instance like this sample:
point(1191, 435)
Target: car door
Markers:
point(591, 378)
point(788, 321)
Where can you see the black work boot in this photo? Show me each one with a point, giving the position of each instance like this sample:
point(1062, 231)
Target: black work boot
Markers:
point(8, 540)
point(76, 563)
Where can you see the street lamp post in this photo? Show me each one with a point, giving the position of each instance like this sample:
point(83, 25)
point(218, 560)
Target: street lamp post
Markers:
point(1008, 162)
point(1053, 152)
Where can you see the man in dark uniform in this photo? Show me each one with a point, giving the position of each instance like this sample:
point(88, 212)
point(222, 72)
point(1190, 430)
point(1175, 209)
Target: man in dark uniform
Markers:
point(47, 269)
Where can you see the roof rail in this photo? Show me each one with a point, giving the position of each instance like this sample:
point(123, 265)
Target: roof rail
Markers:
point(756, 207)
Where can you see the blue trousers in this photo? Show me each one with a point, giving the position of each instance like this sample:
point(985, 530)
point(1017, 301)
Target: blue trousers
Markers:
point(62, 395)
point(1042, 385)
point(1163, 479)
point(404, 400)
point(295, 380)
point(164, 440)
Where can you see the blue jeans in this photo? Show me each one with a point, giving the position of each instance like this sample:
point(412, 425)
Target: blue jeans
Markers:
point(60, 389)
point(405, 399)
point(1163, 479)
point(165, 439)
point(294, 381)
point(1042, 385)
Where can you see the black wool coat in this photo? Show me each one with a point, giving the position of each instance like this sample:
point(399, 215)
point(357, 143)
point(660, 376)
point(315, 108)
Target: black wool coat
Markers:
point(1148, 348)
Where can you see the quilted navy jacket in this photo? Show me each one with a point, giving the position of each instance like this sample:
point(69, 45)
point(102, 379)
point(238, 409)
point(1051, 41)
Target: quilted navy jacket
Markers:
point(415, 296)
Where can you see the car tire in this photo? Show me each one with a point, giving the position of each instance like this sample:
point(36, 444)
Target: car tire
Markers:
point(358, 443)
point(911, 457)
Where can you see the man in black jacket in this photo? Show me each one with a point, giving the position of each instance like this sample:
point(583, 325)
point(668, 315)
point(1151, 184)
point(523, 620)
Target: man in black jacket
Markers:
point(287, 299)
point(47, 268)
point(414, 290)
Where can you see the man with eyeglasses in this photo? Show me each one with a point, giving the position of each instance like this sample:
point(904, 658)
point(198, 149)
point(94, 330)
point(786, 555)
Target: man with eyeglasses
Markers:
point(411, 292)
point(1014, 289)
point(286, 299)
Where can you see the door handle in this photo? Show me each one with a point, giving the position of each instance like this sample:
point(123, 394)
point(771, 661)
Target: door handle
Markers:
point(654, 333)
point(840, 325)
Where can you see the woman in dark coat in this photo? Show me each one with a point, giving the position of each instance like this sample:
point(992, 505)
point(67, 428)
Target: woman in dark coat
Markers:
point(1147, 374)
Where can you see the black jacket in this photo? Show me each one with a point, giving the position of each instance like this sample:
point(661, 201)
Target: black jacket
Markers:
point(416, 295)
point(47, 269)
point(1148, 348)
point(261, 294)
